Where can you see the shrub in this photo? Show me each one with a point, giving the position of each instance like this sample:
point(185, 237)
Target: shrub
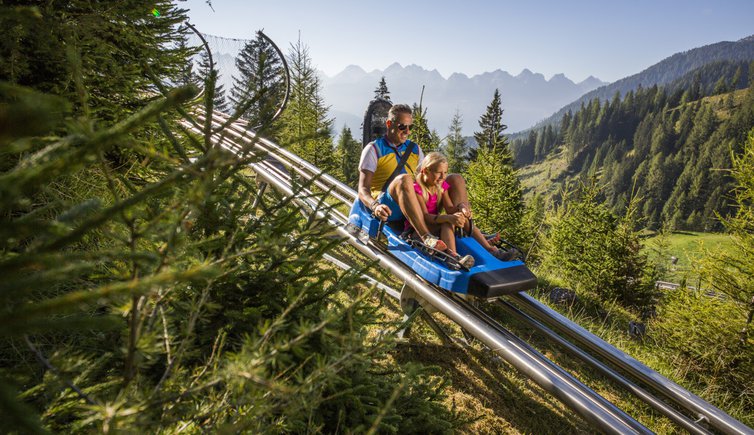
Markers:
point(596, 251)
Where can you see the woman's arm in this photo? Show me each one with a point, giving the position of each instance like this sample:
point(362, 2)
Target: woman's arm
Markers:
point(455, 219)
point(447, 203)
point(453, 216)
point(428, 218)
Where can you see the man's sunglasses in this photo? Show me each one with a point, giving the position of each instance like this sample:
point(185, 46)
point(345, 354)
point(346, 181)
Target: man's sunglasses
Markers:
point(404, 127)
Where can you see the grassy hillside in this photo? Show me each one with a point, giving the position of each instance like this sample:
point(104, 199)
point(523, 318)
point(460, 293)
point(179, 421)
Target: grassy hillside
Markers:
point(544, 177)
point(631, 168)
point(490, 396)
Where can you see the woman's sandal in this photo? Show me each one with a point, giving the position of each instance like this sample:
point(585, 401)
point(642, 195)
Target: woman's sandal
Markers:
point(433, 242)
point(466, 261)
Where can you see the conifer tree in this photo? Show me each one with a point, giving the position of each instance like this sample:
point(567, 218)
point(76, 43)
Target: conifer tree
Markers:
point(428, 140)
point(523, 149)
point(186, 75)
point(37, 43)
point(349, 151)
point(494, 188)
point(565, 124)
point(732, 273)
point(206, 77)
point(456, 150)
point(495, 193)
point(596, 251)
point(306, 123)
point(721, 86)
point(736, 80)
point(492, 127)
point(381, 91)
point(540, 148)
point(259, 87)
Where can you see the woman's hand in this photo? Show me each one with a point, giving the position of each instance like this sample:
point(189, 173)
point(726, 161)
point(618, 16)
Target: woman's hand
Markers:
point(456, 219)
point(464, 209)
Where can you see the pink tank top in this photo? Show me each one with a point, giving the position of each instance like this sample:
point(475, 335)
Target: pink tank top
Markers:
point(433, 200)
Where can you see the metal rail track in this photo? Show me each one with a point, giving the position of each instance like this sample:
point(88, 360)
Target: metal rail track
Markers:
point(588, 404)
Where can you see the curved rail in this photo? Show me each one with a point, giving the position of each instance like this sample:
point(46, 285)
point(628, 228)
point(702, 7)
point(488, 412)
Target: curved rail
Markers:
point(683, 421)
point(592, 407)
point(682, 397)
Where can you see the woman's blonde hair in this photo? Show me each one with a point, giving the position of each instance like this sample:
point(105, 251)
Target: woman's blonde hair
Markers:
point(429, 161)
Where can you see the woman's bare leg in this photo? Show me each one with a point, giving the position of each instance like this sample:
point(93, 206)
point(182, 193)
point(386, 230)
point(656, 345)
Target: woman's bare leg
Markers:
point(447, 236)
point(458, 194)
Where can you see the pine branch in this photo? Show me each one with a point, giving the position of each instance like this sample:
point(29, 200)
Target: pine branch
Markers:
point(48, 365)
point(75, 150)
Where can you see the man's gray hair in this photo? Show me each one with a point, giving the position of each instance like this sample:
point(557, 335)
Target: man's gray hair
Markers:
point(397, 109)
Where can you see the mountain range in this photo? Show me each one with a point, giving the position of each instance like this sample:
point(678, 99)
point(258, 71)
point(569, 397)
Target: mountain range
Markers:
point(526, 98)
point(666, 71)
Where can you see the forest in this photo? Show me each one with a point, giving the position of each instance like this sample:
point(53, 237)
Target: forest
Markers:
point(144, 289)
point(671, 145)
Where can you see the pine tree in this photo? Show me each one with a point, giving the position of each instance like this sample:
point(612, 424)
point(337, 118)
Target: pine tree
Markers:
point(736, 80)
point(211, 78)
point(495, 194)
point(721, 86)
point(565, 124)
point(732, 273)
point(381, 91)
point(456, 150)
point(427, 139)
point(38, 43)
point(349, 151)
point(259, 87)
point(306, 124)
point(540, 148)
point(186, 75)
point(525, 152)
point(596, 251)
point(491, 136)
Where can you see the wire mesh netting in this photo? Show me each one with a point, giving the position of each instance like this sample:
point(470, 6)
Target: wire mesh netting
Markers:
point(251, 74)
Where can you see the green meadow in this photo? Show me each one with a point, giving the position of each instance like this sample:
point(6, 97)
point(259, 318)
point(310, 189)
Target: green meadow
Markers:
point(687, 247)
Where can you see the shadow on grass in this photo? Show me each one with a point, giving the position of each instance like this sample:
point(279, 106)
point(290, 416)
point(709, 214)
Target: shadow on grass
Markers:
point(493, 393)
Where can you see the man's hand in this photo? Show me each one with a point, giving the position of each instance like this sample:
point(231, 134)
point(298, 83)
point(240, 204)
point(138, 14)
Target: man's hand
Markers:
point(382, 212)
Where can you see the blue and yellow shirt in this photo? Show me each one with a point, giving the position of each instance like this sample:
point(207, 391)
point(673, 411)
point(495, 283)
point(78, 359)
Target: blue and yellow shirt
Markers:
point(381, 158)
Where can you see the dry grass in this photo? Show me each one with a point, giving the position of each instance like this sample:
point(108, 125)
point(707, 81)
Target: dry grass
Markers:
point(487, 392)
point(493, 397)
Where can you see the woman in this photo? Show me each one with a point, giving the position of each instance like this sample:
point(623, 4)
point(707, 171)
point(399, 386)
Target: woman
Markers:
point(431, 189)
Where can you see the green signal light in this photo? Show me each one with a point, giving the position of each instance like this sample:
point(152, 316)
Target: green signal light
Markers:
point(156, 13)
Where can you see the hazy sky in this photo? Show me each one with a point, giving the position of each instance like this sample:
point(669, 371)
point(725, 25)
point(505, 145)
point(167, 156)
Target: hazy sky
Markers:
point(607, 39)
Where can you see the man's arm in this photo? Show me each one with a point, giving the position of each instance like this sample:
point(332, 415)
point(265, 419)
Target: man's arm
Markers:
point(365, 195)
point(365, 190)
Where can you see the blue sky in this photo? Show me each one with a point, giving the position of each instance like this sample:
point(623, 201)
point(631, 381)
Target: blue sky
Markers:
point(609, 40)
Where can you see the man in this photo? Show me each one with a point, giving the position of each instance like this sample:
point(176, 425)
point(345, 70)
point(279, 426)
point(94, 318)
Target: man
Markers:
point(379, 160)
